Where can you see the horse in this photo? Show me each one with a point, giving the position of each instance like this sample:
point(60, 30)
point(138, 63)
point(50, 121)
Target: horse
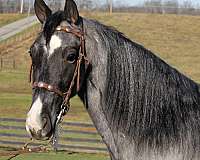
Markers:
point(143, 108)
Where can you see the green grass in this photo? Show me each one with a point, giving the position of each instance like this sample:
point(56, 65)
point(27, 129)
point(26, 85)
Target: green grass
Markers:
point(9, 18)
point(14, 82)
point(59, 156)
point(69, 135)
point(16, 105)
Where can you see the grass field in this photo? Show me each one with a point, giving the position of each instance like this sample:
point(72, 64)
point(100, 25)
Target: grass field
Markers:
point(58, 156)
point(173, 38)
point(11, 17)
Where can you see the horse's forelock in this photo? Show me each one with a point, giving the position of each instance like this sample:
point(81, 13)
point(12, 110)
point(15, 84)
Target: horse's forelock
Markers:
point(52, 22)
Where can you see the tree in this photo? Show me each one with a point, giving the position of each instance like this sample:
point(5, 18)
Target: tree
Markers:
point(153, 3)
point(153, 6)
point(1, 6)
point(187, 4)
point(22, 6)
point(85, 4)
point(97, 4)
point(172, 6)
point(111, 6)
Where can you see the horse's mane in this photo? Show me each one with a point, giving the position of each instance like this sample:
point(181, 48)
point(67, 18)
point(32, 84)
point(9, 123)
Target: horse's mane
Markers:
point(146, 99)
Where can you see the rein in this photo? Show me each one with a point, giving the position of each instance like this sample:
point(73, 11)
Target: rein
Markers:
point(82, 57)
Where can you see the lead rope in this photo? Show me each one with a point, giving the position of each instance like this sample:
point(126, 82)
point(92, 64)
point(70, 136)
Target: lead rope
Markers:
point(25, 150)
point(30, 72)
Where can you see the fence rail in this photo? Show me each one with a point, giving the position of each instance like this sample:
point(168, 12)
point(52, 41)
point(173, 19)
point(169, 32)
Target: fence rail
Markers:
point(81, 137)
point(6, 63)
point(13, 51)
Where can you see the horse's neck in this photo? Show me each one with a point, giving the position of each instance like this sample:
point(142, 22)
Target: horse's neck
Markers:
point(93, 96)
point(95, 110)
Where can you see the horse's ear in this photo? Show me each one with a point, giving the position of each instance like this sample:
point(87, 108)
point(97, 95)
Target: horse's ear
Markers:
point(42, 11)
point(71, 11)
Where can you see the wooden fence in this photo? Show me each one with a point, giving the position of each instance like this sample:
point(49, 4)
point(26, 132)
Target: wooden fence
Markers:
point(13, 51)
point(6, 63)
point(10, 45)
point(76, 137)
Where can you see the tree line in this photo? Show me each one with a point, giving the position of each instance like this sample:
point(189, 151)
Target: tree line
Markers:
point(170, 6)
point(149, 6)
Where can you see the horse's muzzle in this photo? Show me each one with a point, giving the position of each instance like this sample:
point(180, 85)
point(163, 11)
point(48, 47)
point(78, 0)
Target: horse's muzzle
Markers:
point(39, 129)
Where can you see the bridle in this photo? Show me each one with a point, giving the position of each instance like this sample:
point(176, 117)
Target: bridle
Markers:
point(64, 108)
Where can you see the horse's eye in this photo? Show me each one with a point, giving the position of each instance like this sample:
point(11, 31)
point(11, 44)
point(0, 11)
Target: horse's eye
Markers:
point(71, 58)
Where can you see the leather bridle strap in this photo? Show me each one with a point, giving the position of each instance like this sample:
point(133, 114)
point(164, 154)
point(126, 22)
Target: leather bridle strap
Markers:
point(71, 29)
point(48, 87)
point(82, 57)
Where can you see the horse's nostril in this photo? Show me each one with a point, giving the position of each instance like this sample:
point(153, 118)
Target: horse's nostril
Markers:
point(41, 134)
point(46, 127)
point(33, 133)
point(45, 121)
point(36, 134)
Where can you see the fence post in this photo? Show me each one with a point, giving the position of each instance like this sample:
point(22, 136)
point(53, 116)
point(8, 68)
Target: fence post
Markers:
point(22, 6)
point(1, 63)
point(14, 64)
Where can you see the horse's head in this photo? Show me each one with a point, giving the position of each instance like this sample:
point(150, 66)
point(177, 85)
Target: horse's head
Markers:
point(55, 55)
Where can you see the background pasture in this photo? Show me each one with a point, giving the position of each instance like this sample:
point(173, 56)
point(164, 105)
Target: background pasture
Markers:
point(174, 38)
point(10, 17)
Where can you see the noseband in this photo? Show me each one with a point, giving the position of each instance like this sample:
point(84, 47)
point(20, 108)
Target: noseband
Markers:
point(82, 58)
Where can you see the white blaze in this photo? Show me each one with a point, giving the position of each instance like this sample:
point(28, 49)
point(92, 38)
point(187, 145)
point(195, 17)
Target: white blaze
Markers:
point(55, 43)
point(33, 120)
